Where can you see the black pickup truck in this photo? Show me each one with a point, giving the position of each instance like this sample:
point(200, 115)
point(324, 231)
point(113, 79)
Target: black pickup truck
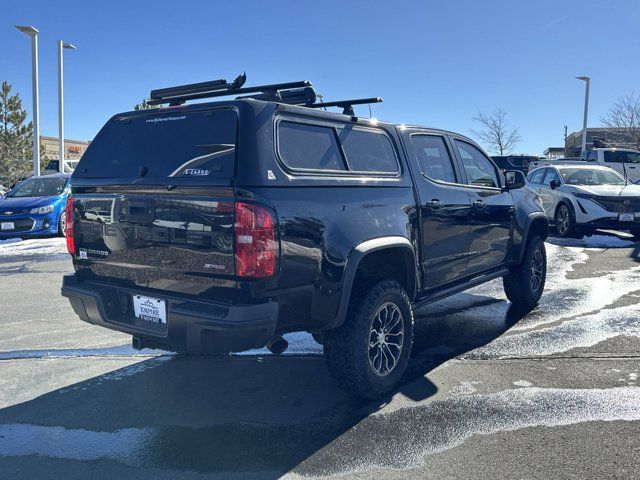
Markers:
point(219, 227)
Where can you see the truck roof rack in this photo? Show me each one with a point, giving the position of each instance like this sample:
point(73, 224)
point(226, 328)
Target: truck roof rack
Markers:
point(347, 105)
point(296, 93)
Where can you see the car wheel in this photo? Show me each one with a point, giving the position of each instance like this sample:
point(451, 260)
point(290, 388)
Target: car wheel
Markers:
point(62, 225)
point(565, 222)
point(368, 354)
point(525, 283)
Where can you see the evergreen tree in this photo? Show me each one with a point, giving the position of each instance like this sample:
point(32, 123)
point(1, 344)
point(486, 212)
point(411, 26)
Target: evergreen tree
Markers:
point(144, 106)
point(16, 138)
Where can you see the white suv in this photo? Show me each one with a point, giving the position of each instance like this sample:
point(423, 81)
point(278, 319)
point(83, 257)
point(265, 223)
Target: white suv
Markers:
point(578, 199)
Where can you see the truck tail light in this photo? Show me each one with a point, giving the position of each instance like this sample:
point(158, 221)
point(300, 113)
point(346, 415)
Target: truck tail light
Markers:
point(69, 229)
point(256, 248)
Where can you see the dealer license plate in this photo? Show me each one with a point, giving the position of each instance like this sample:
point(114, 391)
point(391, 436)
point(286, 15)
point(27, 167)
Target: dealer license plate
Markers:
point(626, 217)
point(150, 310)
point(7, 226)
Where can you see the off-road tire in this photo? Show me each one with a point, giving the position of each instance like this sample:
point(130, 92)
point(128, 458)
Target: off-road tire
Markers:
point(521, 289)
point(347, 348)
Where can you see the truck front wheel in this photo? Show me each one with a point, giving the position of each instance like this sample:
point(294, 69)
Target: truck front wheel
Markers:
point(525, 283)
point(368, 354)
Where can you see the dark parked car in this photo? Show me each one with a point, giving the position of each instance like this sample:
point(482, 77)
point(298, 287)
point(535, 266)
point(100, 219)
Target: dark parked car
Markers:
point(219, 227)
point(514, 162)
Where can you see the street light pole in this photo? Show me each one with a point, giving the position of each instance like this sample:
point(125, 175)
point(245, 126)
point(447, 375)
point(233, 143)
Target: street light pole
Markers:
point(61, 46)
point(587, 81)
point(33, 33)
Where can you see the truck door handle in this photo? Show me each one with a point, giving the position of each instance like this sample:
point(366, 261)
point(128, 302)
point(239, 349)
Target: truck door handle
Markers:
point(435, 204)
point(479, 204)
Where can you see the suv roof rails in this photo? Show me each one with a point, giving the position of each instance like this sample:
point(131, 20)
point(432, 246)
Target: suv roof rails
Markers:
point(347, 105)
point(296, 93)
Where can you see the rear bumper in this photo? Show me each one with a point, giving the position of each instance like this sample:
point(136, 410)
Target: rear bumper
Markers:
point(193, 326)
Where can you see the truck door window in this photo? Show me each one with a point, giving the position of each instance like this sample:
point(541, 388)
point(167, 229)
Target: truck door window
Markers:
point(433, 157)
point(479, 169)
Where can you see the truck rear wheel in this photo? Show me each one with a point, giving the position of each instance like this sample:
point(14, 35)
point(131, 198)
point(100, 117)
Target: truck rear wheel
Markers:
point(368, 354)
point(525, 284)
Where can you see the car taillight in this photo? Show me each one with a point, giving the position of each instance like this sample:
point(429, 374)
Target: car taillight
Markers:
point(256, 248)
point(69, 227)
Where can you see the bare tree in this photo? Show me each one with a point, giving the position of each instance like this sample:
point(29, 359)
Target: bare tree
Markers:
point(623, 119)
point(495, 133)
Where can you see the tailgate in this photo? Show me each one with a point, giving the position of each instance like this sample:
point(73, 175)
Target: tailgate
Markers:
point(153, 200)
point(186, 234)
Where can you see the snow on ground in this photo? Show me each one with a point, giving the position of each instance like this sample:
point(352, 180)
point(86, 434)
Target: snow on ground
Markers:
point(615, 240)
point(32, 247)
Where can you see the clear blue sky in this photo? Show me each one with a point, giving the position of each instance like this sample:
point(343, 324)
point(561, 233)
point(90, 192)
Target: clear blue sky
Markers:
point(435, 62)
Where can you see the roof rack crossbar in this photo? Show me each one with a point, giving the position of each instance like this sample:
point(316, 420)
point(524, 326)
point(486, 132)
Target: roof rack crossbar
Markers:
point(218, 88)
point(347, 105)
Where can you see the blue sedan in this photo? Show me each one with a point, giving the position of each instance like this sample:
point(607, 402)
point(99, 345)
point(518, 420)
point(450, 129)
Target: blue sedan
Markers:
point(35, 207)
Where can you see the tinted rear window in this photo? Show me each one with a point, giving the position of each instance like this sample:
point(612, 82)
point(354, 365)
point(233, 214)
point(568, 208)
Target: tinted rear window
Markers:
point(195, 144)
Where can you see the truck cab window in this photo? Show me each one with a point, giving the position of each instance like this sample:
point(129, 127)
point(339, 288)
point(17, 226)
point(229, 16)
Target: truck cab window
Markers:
point(433, 157)
point(479, 169)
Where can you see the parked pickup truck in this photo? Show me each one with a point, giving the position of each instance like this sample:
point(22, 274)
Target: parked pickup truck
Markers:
point(219, 227)
point(624, 161)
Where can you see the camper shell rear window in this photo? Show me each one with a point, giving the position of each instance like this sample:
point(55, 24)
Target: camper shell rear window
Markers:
point(194, 144)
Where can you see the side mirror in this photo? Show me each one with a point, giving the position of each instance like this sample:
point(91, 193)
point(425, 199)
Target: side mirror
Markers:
point(554, 184)
point(515, 179)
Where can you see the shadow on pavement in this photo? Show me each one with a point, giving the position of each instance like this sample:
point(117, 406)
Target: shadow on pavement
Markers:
point(257, 417)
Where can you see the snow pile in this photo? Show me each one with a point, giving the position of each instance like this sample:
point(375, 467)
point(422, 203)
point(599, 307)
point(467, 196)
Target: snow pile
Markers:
point(14, 247)
point(595, 241)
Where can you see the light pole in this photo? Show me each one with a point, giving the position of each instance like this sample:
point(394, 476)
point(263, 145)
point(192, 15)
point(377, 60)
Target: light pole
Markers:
point(587, 81)
point(33, 33)
point(61, 46)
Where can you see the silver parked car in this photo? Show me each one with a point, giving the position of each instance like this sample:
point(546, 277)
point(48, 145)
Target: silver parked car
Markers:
point(580, 199)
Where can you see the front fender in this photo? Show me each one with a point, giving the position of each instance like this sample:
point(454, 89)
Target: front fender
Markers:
point(537, 221)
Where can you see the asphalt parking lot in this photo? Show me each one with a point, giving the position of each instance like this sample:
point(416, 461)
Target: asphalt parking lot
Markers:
point(492, 392)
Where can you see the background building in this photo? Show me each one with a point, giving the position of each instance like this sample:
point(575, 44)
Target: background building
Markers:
point(73, 148)
point(554, 152)
point(598, 137)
